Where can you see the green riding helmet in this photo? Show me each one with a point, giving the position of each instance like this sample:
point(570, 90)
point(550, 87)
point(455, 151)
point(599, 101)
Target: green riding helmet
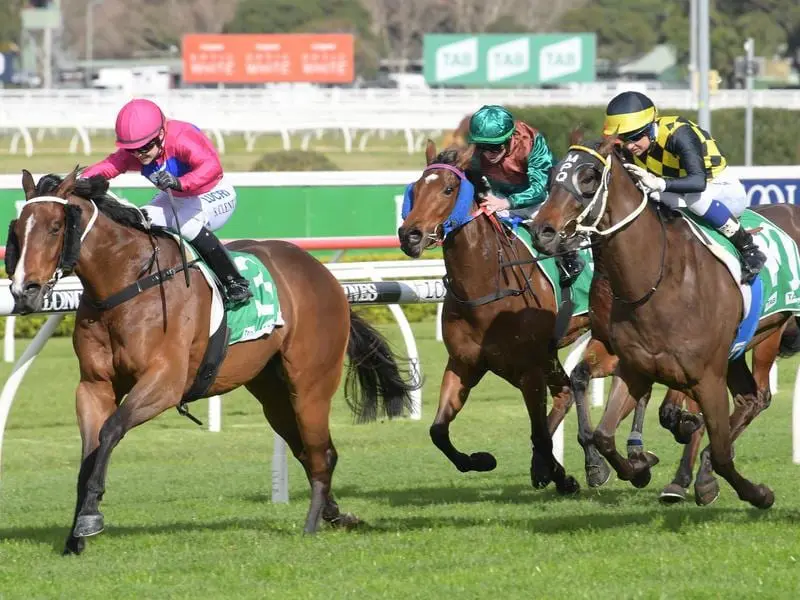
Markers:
point(492, 124)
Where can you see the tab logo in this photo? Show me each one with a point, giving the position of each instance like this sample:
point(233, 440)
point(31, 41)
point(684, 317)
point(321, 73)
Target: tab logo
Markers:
point(509, 59)
point(457, 59)
point(560, 59)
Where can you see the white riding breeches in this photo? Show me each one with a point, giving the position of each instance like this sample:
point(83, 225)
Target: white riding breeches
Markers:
point(212, 210)
point(725, 188)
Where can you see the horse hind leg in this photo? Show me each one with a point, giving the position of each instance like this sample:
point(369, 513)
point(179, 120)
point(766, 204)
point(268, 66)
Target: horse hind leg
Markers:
point(676, 491)
point(681, 423)
point(544, 466)
point(597, 362)
point(274, 391)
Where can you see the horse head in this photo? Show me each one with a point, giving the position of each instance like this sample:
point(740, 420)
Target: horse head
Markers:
point(44, 241)
point(439, 202)
point(578, 201)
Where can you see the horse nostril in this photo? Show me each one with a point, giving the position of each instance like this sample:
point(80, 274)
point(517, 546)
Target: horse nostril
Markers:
point(547, 233)
point(414, 236)
point(30, 289)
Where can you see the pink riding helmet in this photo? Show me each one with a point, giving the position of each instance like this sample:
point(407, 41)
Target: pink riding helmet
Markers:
point(138, 122)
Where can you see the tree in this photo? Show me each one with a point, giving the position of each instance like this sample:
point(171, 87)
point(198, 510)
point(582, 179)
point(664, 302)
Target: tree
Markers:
point(123, 29)
point(10, 21)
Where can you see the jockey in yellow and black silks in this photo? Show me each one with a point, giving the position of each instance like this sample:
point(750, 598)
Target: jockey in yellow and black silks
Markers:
point(680, 163)
point(516, 160)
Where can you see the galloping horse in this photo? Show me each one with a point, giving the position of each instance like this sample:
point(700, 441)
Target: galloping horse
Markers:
point(675, 309)
point(599, 361)
point(494, 318)
point(147, 348)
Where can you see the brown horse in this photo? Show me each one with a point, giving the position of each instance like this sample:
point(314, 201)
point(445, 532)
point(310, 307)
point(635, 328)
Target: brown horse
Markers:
point(494, 318)
point(675, 308)
point(599, 361)
point(147, 349)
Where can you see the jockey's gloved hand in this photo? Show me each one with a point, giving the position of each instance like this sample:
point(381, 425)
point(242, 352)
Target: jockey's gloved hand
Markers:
point(164, 180)
point(652, 183)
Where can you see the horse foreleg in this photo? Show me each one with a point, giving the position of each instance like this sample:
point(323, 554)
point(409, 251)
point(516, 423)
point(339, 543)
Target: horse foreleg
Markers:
point(151, 396)
point(457, 381)
point(751, 396)
point(712, 396)
point(627, 388)
point(597, 362)
point(95, 402)
point(544, 466)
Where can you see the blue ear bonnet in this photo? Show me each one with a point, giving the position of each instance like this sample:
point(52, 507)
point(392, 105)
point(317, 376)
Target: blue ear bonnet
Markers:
point(462, 211)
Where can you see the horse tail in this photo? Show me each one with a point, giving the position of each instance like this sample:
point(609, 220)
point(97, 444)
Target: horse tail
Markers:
point(790, 339)
point(373, 373)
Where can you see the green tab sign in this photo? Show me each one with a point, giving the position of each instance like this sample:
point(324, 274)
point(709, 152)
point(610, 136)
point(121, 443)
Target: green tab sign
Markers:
point(509, 60)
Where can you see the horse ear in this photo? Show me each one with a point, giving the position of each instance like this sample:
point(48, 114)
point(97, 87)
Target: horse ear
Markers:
point(67, 185)
point(465, 157)
point(28, 184)
point(430, 151)
point(576, 135)
point(608, 144)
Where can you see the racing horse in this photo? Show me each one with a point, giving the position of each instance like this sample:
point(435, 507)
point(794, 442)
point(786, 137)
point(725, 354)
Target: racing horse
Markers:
point(147, 348)
point(675, 308)
point(494, 318)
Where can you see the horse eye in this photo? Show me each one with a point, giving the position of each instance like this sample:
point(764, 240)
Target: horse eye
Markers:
point(55, 228)
point(448, 190)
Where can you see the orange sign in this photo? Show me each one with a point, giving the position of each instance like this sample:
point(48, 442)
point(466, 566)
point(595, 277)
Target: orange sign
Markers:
point(265, 58)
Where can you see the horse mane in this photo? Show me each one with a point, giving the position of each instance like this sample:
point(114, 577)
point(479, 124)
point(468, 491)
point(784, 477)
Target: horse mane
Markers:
point(95, 188)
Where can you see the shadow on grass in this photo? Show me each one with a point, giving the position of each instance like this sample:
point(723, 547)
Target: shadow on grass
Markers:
point(55, 536)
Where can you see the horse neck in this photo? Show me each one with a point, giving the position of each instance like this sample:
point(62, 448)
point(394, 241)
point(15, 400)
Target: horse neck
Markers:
point(111, 256)
point(631, 257)
point(471, 258)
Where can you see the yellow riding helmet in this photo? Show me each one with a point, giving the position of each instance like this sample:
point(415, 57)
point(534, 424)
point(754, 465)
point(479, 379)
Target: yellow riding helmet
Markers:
point(628, 114)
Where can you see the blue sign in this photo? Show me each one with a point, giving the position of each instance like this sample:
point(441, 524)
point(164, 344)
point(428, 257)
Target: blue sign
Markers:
point(772, 191)
point(6, 66)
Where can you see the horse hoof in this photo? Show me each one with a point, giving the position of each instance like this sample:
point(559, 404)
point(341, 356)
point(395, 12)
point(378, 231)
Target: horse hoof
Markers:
point(766, 497)
point(673, 494)
point(88, 525)
point(598, 475)
point(568, 487)
point(74, 546)
point(706, 493)
point(642, 478)
point(482, 461)
point(652, 459)
point(688, 425)
point(345, 521)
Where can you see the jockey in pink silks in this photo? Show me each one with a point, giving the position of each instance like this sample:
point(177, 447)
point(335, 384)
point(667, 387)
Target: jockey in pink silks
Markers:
point(176, 156)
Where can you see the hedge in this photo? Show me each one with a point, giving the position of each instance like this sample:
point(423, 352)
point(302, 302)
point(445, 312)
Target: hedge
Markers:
point(294, 160)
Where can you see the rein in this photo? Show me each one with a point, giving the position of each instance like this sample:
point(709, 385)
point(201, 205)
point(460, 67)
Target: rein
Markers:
point(499, 293)
point(142, 284)
point(601, 196)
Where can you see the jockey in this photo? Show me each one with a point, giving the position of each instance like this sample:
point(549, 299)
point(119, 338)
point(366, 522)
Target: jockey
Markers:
point(516, 160)
point(177, 156)
point(675, 160)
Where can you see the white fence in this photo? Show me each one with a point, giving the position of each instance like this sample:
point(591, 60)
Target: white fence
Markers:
point(353, 114)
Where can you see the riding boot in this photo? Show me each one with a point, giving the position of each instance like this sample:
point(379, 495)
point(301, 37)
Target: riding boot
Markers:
point(570, 266)
point(751, 257)
point(235, 287)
